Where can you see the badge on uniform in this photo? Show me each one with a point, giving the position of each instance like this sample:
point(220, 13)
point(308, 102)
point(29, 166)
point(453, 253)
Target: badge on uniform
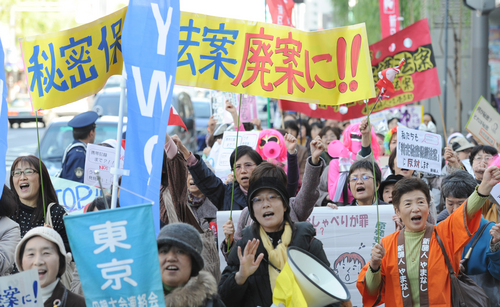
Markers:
point(78, 172)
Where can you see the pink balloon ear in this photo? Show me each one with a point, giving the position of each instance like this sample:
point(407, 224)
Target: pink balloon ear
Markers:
point(337, 149)
point(271, 150)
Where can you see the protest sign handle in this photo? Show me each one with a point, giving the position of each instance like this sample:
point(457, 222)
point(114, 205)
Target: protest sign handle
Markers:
point(102, 190)
point(442, 118)
point(234, 167)
point(373, 166)
point(40, 165)
point(114, 193)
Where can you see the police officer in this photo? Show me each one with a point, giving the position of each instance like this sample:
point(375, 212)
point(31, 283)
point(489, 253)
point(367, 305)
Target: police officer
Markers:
point(73, 162)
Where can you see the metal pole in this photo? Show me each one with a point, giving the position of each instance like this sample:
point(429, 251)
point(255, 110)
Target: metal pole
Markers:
point(479, 67)
point(114, 196)
point(445, 80)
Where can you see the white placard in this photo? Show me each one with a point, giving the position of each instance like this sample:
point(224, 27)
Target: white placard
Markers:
point(103, 159)
point(495, 192)
point(419, 150)
point(74, 195)
point(21, 289)
point(248, 138)
point(347, 234)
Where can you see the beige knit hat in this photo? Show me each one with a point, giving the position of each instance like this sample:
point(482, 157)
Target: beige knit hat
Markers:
point(48, 234)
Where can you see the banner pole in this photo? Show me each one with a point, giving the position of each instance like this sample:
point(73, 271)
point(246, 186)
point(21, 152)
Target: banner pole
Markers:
point(442, 119)
point(114, 193)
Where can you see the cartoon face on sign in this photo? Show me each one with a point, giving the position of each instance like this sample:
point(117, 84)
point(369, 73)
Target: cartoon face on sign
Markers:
point(348, 266)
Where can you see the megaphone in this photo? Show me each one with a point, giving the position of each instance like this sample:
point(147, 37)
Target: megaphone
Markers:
point(319, 285)
point(271, 150)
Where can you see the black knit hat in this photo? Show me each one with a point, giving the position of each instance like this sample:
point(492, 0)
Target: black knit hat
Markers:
point(391, 179)
point(267, 183)
point(185, 237)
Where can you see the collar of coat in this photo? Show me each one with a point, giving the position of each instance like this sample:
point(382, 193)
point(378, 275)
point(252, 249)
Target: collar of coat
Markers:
point(194, 293)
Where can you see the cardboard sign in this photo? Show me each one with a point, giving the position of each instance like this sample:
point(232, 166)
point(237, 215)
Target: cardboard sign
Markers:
point(74, 195)
point(419, 150)
point(21, 289)
point(484, 123)
point(100, 158)
point(111, 248)
point(347, 234)
point(218, 106)
point(248, 138)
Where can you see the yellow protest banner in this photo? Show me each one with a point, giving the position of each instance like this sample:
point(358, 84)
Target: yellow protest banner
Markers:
point(65, 66)
point(329, 67)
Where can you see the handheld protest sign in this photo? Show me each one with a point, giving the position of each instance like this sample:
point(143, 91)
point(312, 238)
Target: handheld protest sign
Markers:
point(111, 248)
point(100, 158)
point(74, 195)
point(21, 289)
point(484, 123)
point(419, 150)
point(229, 143)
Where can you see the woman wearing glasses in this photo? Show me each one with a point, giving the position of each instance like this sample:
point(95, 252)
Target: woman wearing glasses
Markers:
point(25, 184)
point(252, 268)
point(361, 183)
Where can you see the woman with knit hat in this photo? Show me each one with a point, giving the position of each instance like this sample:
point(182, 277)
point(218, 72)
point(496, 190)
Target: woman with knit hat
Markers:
point(42, 248)
point(250, 276)
point(184, 282)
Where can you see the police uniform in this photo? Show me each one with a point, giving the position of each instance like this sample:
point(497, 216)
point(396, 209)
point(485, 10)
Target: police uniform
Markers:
point(73, 163)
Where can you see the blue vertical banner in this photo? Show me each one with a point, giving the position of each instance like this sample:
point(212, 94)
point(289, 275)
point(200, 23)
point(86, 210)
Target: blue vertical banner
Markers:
point(4, 120)
point(150, 46)
point(117, 256)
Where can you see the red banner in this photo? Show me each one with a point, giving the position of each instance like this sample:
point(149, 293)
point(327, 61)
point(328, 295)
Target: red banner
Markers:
point(418, 79)
point(281, 11)
point(389, 17)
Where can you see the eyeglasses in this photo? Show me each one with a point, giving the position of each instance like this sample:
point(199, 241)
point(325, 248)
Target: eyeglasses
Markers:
point(246, 166)
point(271, 198)
point(27, 172)
point(483, 158)
point(362, 178)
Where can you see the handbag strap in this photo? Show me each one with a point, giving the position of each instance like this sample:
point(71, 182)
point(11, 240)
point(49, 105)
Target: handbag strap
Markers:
point(476, 239)
point(49, 215)
point(447, 260)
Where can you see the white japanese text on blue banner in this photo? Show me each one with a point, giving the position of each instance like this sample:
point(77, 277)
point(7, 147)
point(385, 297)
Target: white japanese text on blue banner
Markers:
point(111, 248)
point(150, 47)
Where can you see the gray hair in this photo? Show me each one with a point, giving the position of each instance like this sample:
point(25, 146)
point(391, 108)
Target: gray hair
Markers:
point(459, 184)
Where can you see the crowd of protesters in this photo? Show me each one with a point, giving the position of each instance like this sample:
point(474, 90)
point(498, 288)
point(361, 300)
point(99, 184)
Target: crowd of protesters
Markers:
point(276, 196)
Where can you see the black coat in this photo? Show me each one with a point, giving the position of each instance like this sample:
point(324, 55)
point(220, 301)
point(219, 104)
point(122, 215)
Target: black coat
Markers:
point(256, 291)
point(213, 188)
point(72, 299)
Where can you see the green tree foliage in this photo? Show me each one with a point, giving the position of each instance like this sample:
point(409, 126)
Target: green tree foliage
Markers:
point(35, 23)
point(367, 11)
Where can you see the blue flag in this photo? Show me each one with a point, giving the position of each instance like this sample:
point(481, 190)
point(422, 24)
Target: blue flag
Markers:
point(150, 46)
point(117, 256)
point(4, 120)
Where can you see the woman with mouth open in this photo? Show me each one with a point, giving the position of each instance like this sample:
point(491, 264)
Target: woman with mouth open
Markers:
point(408, 268)
point(25, 184)
point(42, 248)
point(252, 268)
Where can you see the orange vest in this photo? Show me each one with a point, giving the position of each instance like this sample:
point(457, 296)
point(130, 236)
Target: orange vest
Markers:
point(455, 233)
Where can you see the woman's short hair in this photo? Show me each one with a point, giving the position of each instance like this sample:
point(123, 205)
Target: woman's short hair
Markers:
point(459, 184)
point(291, 124)
point(242, 151)
point(366, 164)
point(49, 191)
point(335, 131)
point(407, 185)
point(317, 125)
point(487, 149)
point(98, 203)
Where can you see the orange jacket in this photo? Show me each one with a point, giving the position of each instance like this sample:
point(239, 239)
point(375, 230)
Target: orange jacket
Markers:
point(455, 234)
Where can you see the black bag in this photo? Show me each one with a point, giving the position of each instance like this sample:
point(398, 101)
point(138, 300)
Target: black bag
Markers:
point(464, 291)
